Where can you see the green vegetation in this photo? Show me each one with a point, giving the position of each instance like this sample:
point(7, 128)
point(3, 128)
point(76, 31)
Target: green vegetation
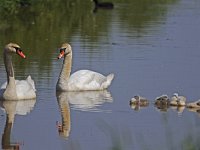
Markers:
point(12, 6)
point(40, 26)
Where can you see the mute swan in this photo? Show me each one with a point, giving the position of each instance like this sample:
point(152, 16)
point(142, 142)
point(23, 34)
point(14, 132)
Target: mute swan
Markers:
point(15, 89)
point(82, 80)
point(177, 100)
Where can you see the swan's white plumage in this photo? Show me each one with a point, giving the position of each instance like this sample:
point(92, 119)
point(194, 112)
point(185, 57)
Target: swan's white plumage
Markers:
point(25, 89)
point(85, 80)
point(88, 80)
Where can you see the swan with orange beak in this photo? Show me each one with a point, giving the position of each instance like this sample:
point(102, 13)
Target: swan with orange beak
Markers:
point(82, 80)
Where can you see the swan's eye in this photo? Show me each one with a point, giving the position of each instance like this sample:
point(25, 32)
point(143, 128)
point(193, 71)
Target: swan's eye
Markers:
point(17, 49)
point(62, 49)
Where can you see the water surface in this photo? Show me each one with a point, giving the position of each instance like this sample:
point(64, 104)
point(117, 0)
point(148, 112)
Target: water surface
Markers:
point(151, 47)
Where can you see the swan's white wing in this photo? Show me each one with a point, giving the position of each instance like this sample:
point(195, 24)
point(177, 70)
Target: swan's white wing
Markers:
point(25, 89)
point(31, 82)
point(86, 80)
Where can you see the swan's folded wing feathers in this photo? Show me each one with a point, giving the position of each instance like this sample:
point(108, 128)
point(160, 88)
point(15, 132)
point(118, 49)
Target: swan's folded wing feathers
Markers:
point(107, 81)
point(82, 77)
point(21, 83)
point(31, 82)
point(86, 79)
point(22, 86)
point(25, 89)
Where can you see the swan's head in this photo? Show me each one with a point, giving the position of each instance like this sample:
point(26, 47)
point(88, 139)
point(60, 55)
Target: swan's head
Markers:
point(137, 98)
point(65, 50)
point(14, 48)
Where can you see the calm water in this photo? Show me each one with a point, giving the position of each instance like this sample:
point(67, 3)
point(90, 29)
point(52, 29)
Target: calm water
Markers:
point(151, 47)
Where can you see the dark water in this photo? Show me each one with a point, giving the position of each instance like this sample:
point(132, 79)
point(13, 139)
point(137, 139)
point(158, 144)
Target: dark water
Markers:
point(152, 47)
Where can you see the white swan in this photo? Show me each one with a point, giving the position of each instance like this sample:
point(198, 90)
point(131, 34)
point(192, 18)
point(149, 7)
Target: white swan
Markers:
point(82, 80)
point(15, 89)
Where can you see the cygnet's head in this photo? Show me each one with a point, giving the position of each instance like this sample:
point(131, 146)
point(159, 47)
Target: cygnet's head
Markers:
point(176, 95)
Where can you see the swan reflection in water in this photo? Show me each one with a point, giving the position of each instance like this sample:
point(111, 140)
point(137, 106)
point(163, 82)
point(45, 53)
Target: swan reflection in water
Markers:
point(64, 127)
point(82, 101)
point(12, 108)
point(89, 100)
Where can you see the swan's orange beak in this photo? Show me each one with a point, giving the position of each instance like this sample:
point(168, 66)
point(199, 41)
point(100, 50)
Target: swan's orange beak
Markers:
point(61, 54)
point(20, 53)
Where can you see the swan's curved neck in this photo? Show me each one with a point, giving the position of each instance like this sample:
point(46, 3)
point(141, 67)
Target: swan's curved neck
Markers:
point(10, 92)
point(8, 66)
point(66, 67)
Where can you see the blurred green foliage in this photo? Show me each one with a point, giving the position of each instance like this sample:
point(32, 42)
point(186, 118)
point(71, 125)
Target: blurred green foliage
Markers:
point(40, 26)
point(12, 6)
